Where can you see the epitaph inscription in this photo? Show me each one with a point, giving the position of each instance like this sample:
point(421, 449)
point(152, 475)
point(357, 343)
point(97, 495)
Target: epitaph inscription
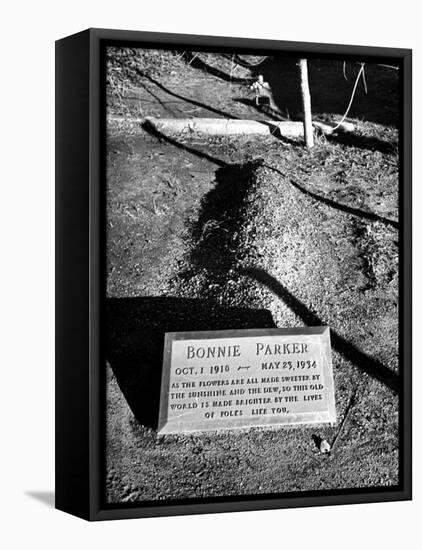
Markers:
point(244, 378)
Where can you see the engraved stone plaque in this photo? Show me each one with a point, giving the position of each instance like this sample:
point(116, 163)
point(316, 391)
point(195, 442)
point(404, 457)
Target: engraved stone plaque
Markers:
point(244, 378)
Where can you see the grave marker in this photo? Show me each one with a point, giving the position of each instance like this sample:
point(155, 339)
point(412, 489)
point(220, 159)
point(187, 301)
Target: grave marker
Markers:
point(245, 378)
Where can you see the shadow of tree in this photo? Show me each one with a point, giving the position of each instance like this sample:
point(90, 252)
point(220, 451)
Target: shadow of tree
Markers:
point(350, 139)
point(216, 231)
point(135, 330)
point(136, 326)
point(330, 89)
point(198, 63)
point(266, 110)
point(234, 174)
point(367, 364)
point(217, 252)
point(331, 92)
point(363, 214)
point(148, 127)
point(187, 99)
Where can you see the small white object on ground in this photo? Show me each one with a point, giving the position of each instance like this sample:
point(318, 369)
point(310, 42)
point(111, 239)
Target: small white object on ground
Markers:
point(324, 447)
point(327, 129)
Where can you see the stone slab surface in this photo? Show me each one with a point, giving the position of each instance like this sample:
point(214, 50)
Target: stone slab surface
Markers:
point(245, 378)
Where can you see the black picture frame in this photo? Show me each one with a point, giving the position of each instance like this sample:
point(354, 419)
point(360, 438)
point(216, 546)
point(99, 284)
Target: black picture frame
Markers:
point(80, 281)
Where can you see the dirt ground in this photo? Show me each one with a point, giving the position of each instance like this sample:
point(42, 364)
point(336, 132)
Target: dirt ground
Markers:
point(250, 232)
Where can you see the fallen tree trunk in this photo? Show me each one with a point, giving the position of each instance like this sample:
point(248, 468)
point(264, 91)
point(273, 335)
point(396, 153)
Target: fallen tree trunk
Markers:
point(230, 127)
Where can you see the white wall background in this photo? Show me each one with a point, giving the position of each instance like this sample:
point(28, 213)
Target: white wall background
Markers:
point(26, 272)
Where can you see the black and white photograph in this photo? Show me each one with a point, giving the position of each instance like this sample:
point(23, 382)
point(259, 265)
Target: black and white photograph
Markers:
point(210, 237)
point(252, 274)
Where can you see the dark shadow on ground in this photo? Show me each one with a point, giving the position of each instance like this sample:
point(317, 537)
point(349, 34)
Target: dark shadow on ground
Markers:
point(361, 142)
point(135, 339)
point(157, 99)
point(231, 173)
point(216, 236)
point(350, 139)
point(148, 127)
point(336, 205)
point(198, 63)
point(330, 90)
point(45, 497)
point(371, 366)
point(317, 440)
point(187, 99)
point(216, 232)
point(262, 109)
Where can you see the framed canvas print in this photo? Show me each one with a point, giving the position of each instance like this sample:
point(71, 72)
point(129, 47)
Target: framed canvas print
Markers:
point(233, 274)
